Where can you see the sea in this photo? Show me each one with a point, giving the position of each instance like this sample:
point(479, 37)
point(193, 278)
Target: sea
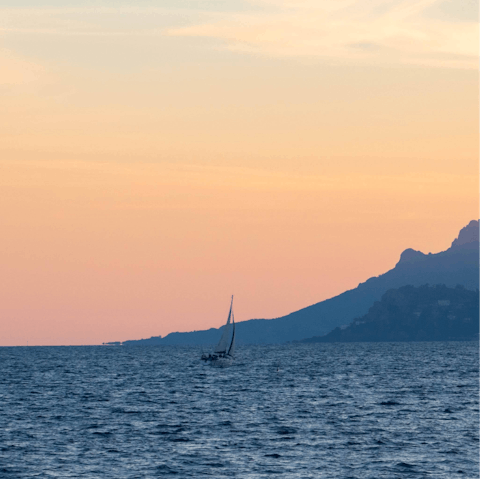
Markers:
point(355, 410)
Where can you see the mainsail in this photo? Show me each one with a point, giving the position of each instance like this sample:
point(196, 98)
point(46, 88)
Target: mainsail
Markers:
point(223, 343)
point(231, 350)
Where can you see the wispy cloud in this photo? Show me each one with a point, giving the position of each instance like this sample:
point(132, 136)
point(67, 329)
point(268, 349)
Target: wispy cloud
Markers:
point(98, 21)
point(441, 33)
point(399, 31)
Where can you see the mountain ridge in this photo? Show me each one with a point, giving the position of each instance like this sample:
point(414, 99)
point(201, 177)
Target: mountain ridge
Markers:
point(425, 313)
point(458, 265)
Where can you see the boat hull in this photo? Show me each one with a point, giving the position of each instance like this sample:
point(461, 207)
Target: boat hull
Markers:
point(222, 357)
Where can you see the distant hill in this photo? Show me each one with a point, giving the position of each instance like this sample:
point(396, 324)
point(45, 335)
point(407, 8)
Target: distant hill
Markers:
point(456, 266)
point(427, 313)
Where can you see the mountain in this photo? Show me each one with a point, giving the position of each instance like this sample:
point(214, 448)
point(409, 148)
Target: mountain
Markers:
point(426, 313)
point(457, 265)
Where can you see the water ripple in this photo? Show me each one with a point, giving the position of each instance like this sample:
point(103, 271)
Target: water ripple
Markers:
point(384, 410)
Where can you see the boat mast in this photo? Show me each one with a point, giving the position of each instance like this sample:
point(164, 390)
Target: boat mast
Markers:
point(231, 349)
point(222, 344)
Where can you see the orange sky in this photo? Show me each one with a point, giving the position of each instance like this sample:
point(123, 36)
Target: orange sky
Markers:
point(151, 165)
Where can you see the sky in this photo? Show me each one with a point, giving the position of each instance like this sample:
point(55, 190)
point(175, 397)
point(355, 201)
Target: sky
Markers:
point(158, 157)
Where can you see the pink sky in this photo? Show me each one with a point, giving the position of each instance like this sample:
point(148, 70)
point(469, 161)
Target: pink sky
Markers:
point(155, 161)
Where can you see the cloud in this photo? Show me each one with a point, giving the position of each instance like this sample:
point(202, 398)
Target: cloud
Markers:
point(380, 31)
point(442, 33)
point(98, 21)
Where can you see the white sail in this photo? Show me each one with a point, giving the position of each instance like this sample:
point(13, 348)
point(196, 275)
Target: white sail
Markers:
point(223, 355)
point(223, 343)
point(231, 350)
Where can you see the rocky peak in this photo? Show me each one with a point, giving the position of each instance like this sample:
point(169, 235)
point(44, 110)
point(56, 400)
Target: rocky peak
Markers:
point(469, 234)
point(410, 256)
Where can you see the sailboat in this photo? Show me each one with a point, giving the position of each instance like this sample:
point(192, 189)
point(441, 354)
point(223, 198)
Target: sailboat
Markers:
point(223, 354)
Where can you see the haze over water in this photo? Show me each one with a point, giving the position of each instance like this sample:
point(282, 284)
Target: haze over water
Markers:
point(371, 410)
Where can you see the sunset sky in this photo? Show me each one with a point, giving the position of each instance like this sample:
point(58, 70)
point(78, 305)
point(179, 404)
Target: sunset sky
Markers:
point(157, 157)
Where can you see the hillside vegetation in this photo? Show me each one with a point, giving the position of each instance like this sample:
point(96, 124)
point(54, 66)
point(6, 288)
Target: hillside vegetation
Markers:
point(426, 313)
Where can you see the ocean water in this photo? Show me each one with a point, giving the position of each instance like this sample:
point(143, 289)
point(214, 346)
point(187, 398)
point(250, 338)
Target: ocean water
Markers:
point(371, 410)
